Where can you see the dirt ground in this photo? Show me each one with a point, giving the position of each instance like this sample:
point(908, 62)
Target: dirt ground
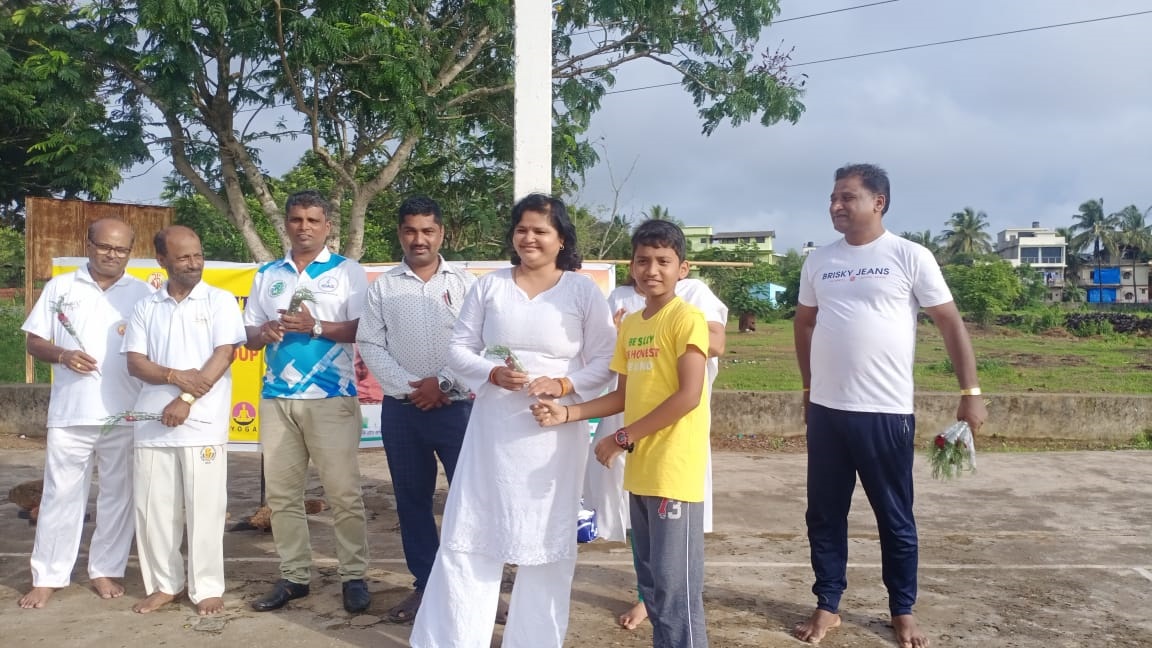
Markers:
point(1037, 550)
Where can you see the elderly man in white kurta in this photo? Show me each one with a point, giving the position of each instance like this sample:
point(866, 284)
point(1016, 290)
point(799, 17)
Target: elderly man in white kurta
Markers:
point(181, 343)
point(90, 382)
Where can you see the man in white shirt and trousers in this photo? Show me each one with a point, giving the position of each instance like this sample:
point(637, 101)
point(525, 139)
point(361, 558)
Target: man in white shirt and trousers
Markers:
point(90, 382)
point(181, 342)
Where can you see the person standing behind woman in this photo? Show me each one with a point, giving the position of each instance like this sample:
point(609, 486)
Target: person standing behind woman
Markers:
point(516, 492)
point(604, 486)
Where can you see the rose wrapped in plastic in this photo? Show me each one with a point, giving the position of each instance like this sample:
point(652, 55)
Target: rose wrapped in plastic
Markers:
point(953, 451)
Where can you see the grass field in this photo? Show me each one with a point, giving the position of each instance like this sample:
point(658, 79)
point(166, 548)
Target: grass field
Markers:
point(1009, 361)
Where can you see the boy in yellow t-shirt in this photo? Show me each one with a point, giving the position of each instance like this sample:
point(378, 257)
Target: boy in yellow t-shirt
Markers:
point(660, 356)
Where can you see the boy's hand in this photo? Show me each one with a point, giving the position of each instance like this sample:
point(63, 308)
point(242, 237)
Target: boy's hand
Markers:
point(548, 413)
point(618, 317)
point(607, 450)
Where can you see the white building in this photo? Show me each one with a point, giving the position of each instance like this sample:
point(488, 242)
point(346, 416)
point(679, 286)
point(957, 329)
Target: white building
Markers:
point(1039, 247)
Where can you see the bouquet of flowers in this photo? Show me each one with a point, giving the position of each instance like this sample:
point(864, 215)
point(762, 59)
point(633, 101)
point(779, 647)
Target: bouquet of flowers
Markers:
point(504, 354)
point(131, 416)
point(58, 307)
point(953, 451)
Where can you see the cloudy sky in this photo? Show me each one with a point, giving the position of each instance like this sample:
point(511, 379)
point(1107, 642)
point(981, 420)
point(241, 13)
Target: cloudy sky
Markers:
point(1023, 127)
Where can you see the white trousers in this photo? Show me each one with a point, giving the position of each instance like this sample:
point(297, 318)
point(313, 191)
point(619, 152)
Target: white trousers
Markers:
point(459, 606)
point(177, 487)
point(68, 463)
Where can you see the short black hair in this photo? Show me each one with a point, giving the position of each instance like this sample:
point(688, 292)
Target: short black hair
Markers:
point(872, 177)
point(419, 206)
point(306, 199)
point(569, 257)
point(660, 234)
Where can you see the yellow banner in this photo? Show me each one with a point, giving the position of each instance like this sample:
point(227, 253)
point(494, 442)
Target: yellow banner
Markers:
point(248, 366)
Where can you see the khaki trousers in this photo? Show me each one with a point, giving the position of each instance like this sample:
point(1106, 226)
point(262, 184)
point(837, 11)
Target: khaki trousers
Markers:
point(327, 431)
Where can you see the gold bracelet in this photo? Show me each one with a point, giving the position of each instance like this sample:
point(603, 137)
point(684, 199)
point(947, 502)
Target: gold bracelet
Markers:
point(971, 391)
point(60, 360)
point(807, 389)
point(169, 378)
point(565, 413)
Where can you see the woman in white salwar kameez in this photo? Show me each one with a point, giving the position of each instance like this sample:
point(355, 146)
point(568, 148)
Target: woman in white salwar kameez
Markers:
point(516, 492)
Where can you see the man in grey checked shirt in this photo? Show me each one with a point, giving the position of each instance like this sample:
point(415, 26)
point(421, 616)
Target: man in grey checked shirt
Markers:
point(403, 339)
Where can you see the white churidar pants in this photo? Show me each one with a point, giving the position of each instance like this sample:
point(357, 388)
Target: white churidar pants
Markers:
point(67, 478)
point(459, 606)
point(177, 487)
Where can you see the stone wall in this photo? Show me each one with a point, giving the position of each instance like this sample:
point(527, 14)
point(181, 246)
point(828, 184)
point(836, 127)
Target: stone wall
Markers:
point(23, 409)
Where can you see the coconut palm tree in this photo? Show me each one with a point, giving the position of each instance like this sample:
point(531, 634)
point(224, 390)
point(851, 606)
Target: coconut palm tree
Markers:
point(966, 234)
point(658, 212)
point(1135, 238)
point(925, 238)
point(1093, 227)
point(1073, 262)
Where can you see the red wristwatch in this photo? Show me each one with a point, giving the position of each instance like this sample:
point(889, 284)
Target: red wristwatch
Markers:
point(622, 440)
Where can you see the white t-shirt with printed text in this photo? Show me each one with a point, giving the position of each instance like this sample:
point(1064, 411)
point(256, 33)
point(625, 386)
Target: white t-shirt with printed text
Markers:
point(868, 297)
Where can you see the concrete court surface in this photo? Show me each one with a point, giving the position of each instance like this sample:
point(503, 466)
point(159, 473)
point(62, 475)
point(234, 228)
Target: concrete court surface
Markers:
point(1037, 550)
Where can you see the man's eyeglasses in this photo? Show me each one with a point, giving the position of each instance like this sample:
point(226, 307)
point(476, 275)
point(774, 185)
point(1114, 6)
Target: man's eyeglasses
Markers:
point(104, 248)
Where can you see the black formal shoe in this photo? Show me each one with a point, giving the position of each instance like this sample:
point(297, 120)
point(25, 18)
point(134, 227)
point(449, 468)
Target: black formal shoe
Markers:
point(356, 596)
point(282, 592)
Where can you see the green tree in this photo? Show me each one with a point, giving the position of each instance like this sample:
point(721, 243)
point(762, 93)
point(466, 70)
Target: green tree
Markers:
point(59, 138)
point(1135, 238)
point(927, 239)
point(984, 289)
point(967, 234)
point(11, 258)
point(393, 93)
point(741, 288)
point(1099, 230)
point(1073, 263)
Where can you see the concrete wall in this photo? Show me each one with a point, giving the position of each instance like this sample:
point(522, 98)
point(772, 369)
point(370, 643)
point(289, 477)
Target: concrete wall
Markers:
point(1020, 416)
point(23, 409)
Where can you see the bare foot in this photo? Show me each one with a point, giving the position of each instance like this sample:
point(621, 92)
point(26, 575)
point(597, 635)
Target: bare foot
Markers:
point(632, 619)
point(107, 588)
point(908, 634)
point(214, 605)
point(37, 597)
point(155, 601)
point(817, 625)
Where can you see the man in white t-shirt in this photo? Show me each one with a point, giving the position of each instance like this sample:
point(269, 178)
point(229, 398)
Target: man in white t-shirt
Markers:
point(180, 343)
point(90, 382)
point(855, 336)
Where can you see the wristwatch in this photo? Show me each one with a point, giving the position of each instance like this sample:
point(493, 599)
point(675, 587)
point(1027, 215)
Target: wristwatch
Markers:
point(444, 383)
point(187, 398)
point(317, 330)
point(622, 440)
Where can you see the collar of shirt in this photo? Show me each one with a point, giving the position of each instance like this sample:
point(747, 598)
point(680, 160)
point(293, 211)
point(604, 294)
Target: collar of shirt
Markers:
point(85, 276)
point(403, 268)
point(199, 291)
point(324, 256)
